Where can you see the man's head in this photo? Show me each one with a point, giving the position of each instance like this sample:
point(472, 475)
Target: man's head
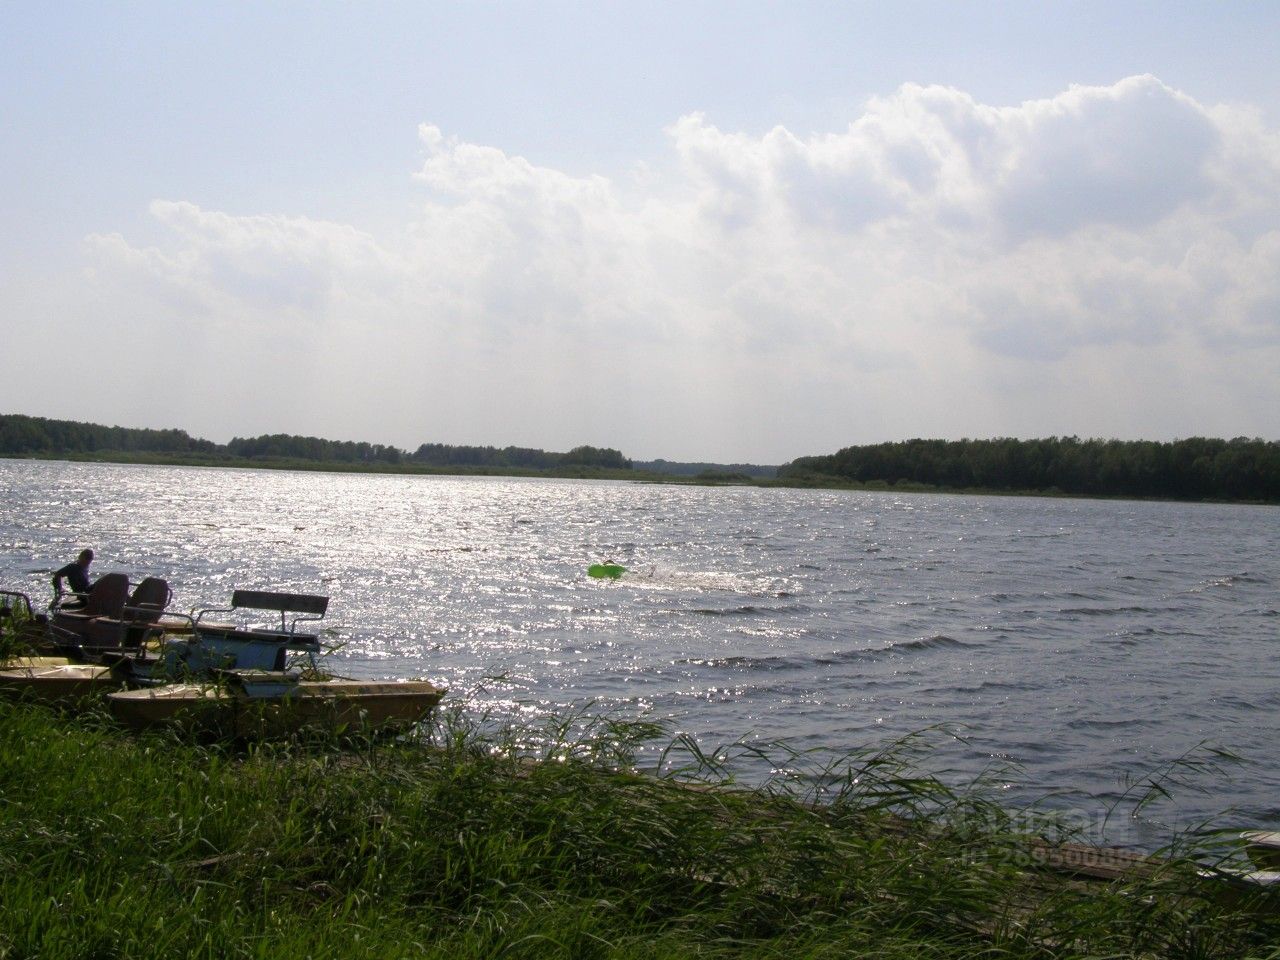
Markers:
point(85, 558)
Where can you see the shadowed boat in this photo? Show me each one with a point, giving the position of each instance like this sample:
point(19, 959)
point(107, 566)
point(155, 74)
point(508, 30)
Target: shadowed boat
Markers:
point(251, 704)
point(16, 663)
point(60, 683)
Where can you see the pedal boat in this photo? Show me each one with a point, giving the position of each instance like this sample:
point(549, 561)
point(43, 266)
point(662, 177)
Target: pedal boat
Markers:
point(269, 703)
point(65, 683)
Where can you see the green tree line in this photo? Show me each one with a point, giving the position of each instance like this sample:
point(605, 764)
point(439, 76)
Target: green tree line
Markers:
point(683, 469)
point(445, 455)
point(287, 447)
point(26, 436)
point(21, 435)
point(1197, 468)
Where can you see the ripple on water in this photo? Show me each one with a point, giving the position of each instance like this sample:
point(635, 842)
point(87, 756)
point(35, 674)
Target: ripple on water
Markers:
point(1082, 638)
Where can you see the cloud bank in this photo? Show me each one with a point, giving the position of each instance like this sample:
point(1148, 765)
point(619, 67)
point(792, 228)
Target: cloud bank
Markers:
point(1103, 262)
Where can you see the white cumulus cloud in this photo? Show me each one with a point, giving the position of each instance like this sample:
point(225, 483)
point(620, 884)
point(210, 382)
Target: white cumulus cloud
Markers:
point(939, 267)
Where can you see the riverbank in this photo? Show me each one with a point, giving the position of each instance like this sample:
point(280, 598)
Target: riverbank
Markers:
point(799, 482)
point(156, 847)
point(339, 466)
point(1194, 469)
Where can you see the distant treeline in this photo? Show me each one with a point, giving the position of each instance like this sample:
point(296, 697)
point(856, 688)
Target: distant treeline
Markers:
point(1193, 469)
point(36, 435)
point(679, 469)
point(444, 455)
point(428, 454)
point(21, 435)
point(281, 446)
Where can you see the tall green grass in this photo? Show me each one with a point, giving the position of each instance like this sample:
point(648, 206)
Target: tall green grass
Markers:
point(19, 632)
point(493, 840)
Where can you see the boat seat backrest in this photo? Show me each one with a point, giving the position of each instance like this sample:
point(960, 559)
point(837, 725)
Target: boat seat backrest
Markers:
point(282, 602)
point(97, 623)
point(148, 600)
point(107, 597)
point(309, 606)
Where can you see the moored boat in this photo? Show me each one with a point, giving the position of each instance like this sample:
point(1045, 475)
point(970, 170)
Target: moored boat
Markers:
point(65, 683)
point(254, 704)
point(1263, 848)
point(17, 663)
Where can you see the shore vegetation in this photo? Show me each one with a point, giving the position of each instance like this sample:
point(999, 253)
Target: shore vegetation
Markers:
point(488, 840)
point(1197, 468)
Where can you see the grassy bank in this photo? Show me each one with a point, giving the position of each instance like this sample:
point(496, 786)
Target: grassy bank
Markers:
point(114, 846)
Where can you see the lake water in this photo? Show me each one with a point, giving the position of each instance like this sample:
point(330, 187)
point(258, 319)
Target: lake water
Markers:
point(1085, 642)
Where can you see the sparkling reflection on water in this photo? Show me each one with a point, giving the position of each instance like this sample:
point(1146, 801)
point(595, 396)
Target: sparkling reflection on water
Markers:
point(1085, 641)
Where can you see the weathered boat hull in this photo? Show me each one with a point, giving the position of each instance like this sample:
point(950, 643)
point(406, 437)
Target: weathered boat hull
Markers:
point(24, 663)
point(66, 683)
point(1263, 848)
point(332, 704)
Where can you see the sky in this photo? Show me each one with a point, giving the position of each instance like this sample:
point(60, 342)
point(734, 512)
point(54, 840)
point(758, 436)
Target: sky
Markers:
point(713, 231)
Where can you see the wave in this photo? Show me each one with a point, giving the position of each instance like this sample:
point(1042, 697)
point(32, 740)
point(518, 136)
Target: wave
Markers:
point(835, 658)
point(746, 662)
point(1093, 723)
point(747, 610)
point(1102, 611)
point(1231, 579)
point(938, 642)
point(986, 686)
point(681, 581)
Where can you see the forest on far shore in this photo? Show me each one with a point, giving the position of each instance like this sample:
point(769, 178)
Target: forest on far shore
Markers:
point(36, 436)
point(1197, 468)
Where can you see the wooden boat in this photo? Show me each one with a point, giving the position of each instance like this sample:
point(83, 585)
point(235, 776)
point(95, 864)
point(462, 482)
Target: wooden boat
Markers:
point(1263, 848)
point(61, 683)
point(268, 703)
point(16, 663)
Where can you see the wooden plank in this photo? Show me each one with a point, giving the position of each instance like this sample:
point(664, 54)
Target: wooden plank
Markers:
point(1098, 863)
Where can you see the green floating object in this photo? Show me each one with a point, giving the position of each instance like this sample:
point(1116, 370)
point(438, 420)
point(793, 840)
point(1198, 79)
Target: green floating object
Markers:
point(610, 570)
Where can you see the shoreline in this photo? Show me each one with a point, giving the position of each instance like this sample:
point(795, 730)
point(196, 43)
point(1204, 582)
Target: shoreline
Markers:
point(812, 482)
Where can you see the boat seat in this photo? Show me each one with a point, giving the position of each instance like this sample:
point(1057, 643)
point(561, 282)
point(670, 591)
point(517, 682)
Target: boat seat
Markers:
point(310, 607)
point(112, 618)
point(107, 598)
point(148, 601)
point(96, 624)
point(223, 645)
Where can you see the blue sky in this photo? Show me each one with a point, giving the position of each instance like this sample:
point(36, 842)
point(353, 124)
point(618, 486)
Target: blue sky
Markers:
point(732, 231)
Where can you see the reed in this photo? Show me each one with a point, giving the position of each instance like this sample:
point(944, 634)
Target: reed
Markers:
point(493, 840)
point(19, 632)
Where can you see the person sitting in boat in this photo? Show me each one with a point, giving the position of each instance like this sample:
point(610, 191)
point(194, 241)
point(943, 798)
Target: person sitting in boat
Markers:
point(77, 576)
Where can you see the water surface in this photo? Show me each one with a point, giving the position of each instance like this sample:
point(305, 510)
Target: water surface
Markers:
point(1084, 641)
